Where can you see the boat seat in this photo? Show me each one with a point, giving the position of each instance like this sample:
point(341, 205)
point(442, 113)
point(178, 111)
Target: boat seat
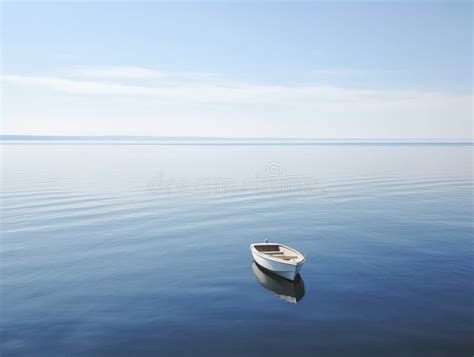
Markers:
point(274, 252)
point(286, 257)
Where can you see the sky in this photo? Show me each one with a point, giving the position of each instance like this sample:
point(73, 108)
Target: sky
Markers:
point(238, 69)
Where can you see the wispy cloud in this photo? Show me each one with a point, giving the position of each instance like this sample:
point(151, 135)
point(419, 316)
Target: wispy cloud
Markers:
point(312, 102)
point(115, 72)
point(218, 91)
point(132, 72)
point(303, 108)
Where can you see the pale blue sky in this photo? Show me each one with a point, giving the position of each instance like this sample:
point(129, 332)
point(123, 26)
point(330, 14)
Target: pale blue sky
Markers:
point(314, 69)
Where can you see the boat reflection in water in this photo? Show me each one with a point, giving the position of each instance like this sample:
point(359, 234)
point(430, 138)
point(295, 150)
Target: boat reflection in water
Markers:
point(290, 291)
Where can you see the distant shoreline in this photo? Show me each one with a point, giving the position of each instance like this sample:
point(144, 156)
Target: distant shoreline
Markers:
point(169, 140)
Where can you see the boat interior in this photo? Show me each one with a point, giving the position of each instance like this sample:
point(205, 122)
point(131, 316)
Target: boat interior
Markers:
point(277, 251)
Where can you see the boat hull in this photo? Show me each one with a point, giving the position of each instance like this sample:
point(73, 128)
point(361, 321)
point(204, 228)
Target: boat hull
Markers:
point(285, 270)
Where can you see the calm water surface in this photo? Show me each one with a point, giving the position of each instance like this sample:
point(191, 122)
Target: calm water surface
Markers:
point(144, 250)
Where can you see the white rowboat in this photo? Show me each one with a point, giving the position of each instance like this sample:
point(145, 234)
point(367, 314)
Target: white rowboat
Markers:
point(278, 258)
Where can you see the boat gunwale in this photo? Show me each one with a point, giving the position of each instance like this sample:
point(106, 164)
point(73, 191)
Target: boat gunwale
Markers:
point(269, 257)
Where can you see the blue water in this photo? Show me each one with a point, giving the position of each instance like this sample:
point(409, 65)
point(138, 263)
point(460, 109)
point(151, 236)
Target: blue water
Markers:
point(144, 250)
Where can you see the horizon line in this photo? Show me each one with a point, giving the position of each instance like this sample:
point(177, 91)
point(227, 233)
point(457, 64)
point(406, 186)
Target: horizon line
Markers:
point(19, 137)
